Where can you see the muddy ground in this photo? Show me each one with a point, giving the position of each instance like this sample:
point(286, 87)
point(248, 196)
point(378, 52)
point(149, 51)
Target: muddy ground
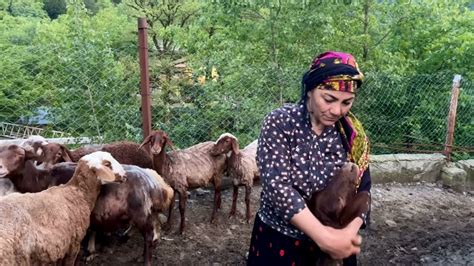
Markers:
point(411, 224)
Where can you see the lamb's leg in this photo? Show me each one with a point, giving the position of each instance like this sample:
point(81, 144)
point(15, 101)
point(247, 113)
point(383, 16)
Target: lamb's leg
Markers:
point(91, 246)
point(235, 195)
point(248, 191)
point(148, 233)
point(359, 204)
point(217, 199)
point(167, 225)
point(183, 197)
point(71, 256)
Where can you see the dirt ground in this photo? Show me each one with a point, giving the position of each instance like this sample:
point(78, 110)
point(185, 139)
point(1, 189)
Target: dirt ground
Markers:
point(415, 224)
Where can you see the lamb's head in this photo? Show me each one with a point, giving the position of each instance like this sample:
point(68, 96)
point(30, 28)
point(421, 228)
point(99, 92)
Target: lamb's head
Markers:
point(13, 157)
point(158, 140)
point(224, 144)
point(349, 173)
point(104, 166)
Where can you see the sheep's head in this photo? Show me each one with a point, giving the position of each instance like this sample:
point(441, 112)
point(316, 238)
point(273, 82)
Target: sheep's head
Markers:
point(158, 140)
point(36, 142)
point(53, 153)
point(13, 157)
point(106, 168)
point(224, 144)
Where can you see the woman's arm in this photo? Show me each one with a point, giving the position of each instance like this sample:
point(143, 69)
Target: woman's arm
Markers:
point(338, 243)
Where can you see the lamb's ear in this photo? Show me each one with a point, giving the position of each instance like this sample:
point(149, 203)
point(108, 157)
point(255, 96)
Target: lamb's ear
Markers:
point(169, 143)
point(145, 141)
point(66, 154)
point(30, 153)
point(235, 146)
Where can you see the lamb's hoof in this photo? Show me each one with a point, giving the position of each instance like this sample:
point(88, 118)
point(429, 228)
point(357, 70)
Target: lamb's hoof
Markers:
point(91, 257)
point(166, 226)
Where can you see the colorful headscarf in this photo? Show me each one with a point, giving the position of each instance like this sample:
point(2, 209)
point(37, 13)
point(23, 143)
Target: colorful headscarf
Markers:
point(332, 71)
point(355, 142)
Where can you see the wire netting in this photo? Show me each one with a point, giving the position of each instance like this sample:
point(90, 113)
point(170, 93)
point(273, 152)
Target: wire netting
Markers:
point(92, 92)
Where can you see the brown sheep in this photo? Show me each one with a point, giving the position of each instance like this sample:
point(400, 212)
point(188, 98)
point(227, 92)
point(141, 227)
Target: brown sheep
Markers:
point(186, 169)
point(47, 227)
point(136, 202)
point(124, 152)
point(339, 203)
point(241, 167)
point(19, 165)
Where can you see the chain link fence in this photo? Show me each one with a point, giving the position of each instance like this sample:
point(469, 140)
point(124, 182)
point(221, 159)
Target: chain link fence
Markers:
point(91, 93)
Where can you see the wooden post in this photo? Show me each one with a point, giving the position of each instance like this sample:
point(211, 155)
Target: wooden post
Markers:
point(448, 146)
point(144, 76)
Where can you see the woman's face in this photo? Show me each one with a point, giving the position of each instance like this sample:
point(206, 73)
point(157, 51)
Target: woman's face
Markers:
point(327, 106)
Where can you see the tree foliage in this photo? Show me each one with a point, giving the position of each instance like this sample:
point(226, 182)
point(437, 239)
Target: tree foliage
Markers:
point(62, 54)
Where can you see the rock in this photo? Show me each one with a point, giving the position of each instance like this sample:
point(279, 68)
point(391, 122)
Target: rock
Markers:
point(390, 223)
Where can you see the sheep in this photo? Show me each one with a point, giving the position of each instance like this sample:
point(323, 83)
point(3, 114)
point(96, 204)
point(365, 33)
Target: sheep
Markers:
point(47, 227)
point(13, 158)
point(241, 167)
point(124, 152)
point(19, 165)
point(339, 203)
point(35, 142)
point(6, 187)
point(186, 169)
point(137, 202)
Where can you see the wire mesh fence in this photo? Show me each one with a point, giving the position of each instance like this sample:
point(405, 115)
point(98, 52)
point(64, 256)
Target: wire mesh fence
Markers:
point(90, 91)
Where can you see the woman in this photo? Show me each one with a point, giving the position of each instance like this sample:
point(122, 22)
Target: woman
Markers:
point(300, 147)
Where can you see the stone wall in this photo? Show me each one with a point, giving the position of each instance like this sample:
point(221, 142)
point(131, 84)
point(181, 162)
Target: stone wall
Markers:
point(405, 168)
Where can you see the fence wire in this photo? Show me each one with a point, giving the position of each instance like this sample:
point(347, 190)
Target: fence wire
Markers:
point(90, 91)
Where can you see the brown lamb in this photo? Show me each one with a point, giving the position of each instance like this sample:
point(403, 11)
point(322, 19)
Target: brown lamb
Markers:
point(339, 203)
point(186, 169)
point(241, 167)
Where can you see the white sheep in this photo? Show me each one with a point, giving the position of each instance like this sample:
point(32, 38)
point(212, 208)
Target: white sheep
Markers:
point(187, 169)
point(241, 167)
point(47, 227)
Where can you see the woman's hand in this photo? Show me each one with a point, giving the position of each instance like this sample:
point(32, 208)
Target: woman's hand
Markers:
point(341, 243)
point(338, 243)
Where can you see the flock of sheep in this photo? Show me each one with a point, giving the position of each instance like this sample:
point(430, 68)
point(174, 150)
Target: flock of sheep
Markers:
point(51, 197)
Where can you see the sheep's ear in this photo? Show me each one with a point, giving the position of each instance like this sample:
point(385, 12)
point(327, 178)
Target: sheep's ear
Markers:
point(66, 154)
point(169, 143)
point(145, 141)
point(235, 147)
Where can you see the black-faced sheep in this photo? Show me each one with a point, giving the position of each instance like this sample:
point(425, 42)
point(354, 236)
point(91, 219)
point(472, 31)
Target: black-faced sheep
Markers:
point(47, 227)
point(186, 169)
point(339, 203)
point(136, 202)
point(241, 167)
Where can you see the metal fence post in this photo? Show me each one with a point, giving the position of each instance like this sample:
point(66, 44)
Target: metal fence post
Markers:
point(448, 146)
point(144, 76)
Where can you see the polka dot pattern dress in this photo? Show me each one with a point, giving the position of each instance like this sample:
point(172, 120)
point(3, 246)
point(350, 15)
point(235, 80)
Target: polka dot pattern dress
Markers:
point(294, 163)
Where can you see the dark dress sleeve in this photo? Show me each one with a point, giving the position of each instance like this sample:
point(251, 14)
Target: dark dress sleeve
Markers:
point(274, 161)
